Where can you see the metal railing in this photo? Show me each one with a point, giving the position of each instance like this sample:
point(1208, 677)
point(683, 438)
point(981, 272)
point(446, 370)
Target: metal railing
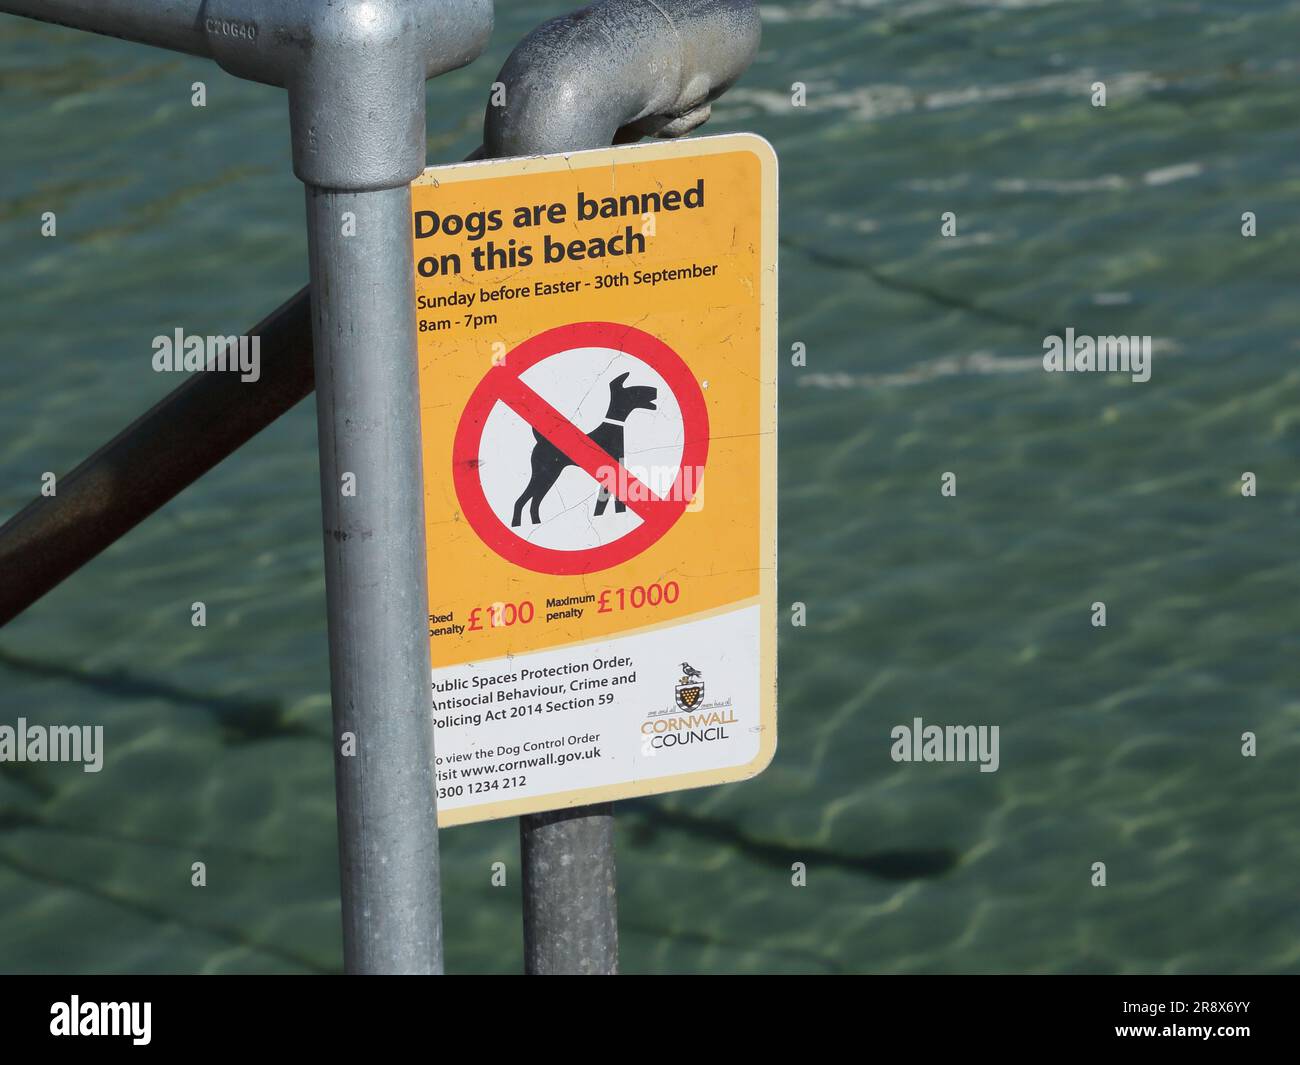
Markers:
point(355, 72)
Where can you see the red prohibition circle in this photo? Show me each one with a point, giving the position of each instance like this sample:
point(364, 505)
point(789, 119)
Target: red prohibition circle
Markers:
point(502, 384)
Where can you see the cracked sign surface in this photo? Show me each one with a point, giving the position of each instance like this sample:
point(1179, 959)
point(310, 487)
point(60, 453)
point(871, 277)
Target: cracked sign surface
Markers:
point(597, 336)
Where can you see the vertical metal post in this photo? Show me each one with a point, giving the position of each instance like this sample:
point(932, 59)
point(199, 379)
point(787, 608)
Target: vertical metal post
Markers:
point(355, 71)
point(368, 417)
point(570, 892)
point(616, 70)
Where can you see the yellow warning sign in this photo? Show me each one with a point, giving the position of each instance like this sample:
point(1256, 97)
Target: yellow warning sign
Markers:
point(597, 336)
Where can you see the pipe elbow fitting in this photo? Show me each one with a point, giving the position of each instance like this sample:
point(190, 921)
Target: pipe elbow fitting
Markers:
point(643, 67)
point(355, 73)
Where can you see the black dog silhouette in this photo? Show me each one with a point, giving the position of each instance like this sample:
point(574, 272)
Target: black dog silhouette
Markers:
point(549, 461)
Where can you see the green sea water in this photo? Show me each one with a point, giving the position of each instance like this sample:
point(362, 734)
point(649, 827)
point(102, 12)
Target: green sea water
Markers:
point(1119, 744)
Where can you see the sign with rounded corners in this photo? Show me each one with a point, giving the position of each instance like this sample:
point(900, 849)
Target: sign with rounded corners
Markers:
point(597, 335)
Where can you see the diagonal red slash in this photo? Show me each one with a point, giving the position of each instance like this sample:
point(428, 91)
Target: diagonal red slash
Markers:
point(496, 386)
point(581, 450)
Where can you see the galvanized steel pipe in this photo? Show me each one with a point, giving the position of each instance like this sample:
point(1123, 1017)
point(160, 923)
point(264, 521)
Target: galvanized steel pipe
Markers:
point(619, 70)
point(148, 463)
point(177, 25)
point(570, 892)
point(614, 71)
point(372, 503)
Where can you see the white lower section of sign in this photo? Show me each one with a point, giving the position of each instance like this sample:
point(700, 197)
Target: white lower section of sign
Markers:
point(676, 700)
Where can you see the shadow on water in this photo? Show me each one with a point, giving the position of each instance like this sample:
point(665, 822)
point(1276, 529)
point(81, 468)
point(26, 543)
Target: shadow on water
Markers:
point(141, 908)
point(241, 719)
point(17, 819)
point(911, 864)
point(834, 261)
point(30, 777)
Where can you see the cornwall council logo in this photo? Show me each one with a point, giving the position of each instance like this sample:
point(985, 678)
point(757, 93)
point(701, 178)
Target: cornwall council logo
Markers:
point(690, 687)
